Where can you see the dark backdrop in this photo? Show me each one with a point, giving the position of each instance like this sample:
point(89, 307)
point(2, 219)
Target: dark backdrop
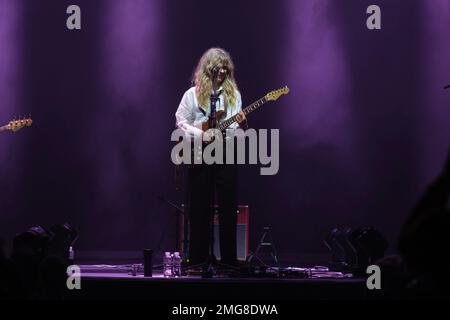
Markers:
point(363, 131)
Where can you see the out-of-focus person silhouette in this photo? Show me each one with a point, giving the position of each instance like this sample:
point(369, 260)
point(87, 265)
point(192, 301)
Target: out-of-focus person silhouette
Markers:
point(424, 241)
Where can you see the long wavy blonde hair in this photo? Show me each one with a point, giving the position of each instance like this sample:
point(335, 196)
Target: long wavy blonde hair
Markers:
point(202, 77)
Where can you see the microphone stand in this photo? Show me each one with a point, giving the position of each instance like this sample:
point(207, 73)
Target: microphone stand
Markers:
point(178, 211)
point(211, 262)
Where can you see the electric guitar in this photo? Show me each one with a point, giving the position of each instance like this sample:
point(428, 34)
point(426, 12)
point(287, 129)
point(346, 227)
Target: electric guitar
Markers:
point(196, 152)
point(16, 125)
point(271, 96)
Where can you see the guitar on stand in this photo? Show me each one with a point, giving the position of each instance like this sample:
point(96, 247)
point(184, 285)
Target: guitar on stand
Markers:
point(16, 125)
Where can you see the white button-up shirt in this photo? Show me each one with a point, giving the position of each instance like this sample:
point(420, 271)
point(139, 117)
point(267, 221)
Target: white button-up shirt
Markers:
point(190, 115)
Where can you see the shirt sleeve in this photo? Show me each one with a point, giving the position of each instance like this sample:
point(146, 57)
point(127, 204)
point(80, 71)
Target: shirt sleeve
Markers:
point(185, 118)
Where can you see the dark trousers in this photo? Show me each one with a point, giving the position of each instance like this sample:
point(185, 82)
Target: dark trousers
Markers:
point(203, 179)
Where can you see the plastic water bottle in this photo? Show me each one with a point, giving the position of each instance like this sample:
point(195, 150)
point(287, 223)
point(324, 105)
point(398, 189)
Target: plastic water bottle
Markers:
point(167, 265)
point(71, 258)
point(176, 264)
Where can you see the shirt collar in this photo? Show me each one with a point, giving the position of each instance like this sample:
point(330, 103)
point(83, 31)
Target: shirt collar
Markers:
point(220, 89)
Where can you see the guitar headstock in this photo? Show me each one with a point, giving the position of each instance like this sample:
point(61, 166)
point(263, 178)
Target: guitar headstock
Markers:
point(274, 95)
point(16, 125)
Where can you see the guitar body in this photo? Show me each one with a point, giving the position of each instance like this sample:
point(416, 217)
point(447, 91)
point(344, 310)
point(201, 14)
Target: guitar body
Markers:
point(208, 124)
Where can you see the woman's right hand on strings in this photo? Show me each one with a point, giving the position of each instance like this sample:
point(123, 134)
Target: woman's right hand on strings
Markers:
point(207, 136)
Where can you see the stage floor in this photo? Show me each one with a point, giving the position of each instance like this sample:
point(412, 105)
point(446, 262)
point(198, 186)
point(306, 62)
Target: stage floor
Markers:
point(117, 282)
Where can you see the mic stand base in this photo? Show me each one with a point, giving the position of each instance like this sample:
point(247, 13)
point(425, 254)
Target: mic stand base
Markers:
point(209, 269)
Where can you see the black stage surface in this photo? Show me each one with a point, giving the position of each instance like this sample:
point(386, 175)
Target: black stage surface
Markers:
point(118, 282)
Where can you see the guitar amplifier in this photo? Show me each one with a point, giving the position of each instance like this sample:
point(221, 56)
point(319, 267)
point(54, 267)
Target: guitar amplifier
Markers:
point(242, 233)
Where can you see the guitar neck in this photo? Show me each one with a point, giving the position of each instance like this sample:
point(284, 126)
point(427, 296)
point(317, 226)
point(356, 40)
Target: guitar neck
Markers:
point(3, 128)
point(255, 105)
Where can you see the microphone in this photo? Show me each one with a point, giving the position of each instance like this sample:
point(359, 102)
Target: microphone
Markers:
point(447, 86)
point(216, 70)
